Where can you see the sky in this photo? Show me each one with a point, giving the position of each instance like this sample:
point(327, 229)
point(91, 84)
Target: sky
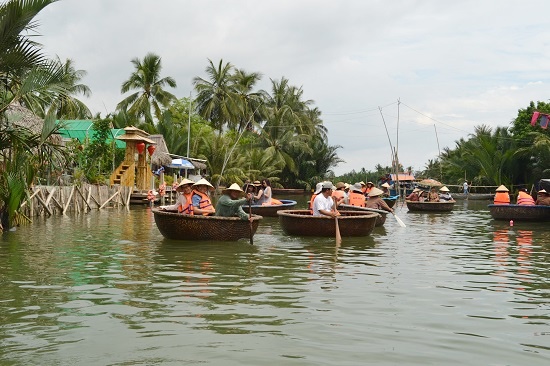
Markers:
point(431, 70)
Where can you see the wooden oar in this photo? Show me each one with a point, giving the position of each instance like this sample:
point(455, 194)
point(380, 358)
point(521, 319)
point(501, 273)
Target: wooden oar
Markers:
point(250, 222)
point(401, 223)
point(337, 227)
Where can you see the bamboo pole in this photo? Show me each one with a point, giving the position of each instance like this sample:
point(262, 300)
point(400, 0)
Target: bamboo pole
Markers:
point(110, 198)
point(68, 201)
point(84, 201)
point(41, 200)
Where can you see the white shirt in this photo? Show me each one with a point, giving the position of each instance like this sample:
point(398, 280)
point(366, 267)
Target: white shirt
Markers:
point(322, 203)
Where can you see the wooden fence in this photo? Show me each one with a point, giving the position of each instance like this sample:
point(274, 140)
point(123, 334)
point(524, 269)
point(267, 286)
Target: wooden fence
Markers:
point(50, 200)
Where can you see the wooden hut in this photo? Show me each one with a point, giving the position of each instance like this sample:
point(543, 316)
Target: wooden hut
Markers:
point(130, 173)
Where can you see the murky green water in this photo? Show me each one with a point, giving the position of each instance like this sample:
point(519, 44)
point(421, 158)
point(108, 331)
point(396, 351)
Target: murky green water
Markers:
point(105, 288)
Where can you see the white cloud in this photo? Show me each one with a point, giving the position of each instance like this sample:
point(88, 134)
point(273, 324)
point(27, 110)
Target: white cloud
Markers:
point(461, 63)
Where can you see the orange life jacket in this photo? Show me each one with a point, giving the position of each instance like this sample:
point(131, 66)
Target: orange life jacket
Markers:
point(187, 209)
point(502, 198)
point(338, 194)
point(204, 203)
point(311, 202)
point(525, 199)
point(274, 202)
point(356, 199)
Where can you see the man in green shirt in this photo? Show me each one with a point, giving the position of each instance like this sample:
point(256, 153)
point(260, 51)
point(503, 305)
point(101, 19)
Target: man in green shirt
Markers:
point(230, 204)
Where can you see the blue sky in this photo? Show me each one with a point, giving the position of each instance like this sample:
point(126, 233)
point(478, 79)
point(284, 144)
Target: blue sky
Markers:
point(453, 64)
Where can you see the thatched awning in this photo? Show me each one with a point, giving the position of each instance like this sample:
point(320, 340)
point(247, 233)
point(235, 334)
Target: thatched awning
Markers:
point(132, 133)
point(24, 117)
point(161, 156)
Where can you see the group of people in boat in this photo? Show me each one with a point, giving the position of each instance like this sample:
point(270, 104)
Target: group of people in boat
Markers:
point(327, 197)
point(419, 195)
point(194, 198)
point(502, 197)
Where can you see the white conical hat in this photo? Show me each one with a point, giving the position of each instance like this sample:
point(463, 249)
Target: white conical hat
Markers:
point(444, 189)
point(185, 181)
point(375, 192)
point(203, 182)
point(233, 187)
point(502, 188)
point(386, 185)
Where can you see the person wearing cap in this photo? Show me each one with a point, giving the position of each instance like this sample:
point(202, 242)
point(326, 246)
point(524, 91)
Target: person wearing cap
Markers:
point(543, 198)
point(324, 203)
point(231, 204)
point(525, 198)
point(385, 189)
point(363, 188)
point(339, 193)
point(433, 196)
point(258, 197)
point(202, 205)
point(444, 194)
point(501, 196)
point(318, 188)
point(414, 196)
point(183, 203)
point(375, 200)
point(355, 196)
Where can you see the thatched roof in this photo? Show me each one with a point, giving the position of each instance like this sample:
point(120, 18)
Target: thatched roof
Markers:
point(161, 155)
point(132, 133)
point(23, 117)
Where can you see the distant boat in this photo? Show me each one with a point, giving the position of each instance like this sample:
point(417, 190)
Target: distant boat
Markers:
point(173, 225)
point(390, 201)
point(520, 212)
point(442, 206)
point(270, 210)
point(303, 223)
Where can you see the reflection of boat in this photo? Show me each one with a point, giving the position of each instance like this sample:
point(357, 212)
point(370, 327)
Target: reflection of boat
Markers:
point(285, 191)
point(173, 225)
point(380, 220)
point(520, 212)
point(350, 223)
point(270, 210)
point(430, 206)
point(473, 196)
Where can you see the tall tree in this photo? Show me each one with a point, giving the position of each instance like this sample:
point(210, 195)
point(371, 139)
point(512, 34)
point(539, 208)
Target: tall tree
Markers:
point(150, 94)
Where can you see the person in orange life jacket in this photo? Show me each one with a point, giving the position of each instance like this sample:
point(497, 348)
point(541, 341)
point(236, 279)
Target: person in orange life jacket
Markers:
point(543, 198)
point(356, 197)
point(370, 186)
point(385, 189)
point(501, 196)
point(363, 188)
point(231, 204)
point(324, 204)
point(376, 202)
point(339, 193)
point(525, 198)
point(202, 205)
point(318, 188)
point(414, 196)
point(184, 201)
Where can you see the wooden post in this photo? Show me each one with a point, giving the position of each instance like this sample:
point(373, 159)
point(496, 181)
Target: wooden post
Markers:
point(68, 201)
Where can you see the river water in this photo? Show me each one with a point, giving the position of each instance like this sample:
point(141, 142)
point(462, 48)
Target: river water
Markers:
point(105, 288)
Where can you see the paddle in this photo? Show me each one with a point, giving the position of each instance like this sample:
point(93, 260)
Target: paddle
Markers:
point(250, 221)
point(337, 227)
point(401, 223)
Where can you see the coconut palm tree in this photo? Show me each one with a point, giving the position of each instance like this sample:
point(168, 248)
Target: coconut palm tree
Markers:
point(217, 96)
point(150, 92)
point(247, 101)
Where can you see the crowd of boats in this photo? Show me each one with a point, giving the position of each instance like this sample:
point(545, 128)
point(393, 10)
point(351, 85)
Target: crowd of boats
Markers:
point(356, 210)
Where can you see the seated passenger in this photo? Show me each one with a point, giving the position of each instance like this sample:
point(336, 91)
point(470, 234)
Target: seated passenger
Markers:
point(433, 196)
point(385, 189)
point(376, 202)
point(525, 198)
point(444, 194)
point(202, 205)
point(339, 193)
point(502, 197)
point(355, 196)
point(543, 198)
point(231, 204)
point(414, 196)
point(184, 201)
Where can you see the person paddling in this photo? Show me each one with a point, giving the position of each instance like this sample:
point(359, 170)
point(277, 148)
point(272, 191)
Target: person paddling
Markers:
point(543, 198)
point(375, 201)
point(231, 204)
point(324, 203)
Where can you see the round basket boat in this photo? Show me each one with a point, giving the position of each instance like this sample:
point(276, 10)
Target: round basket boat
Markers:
point(380, 220)
point(390, 201)
point(173, 225)
point(350, 223)
point(270, 210)
point(520, 212)
point(430, 206)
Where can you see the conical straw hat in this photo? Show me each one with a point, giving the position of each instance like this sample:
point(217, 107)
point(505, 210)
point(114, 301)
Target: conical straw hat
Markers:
point(233, 187)
point(185, 181)
point(203, 182)
point(375, 192)
point(502, 188)
point(444, 189)
point(386, 185)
